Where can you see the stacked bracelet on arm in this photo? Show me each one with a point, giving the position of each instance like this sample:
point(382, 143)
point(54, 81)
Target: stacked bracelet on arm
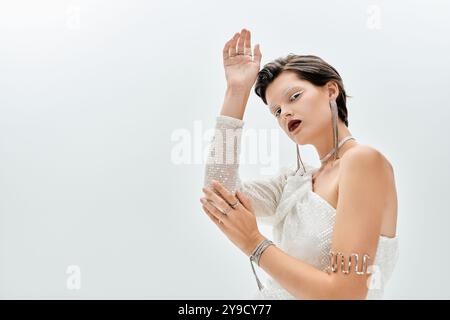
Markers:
point(256, 255)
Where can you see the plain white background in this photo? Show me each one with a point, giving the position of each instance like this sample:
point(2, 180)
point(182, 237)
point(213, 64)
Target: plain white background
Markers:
point(91, 93)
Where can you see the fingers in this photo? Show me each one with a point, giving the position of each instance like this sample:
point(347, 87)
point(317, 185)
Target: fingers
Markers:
point(216, 221)
point(233, 44)
point(248, 43)
point(218, 202)
point(224, 193)
point(246, 202)
point(213, 210)
point(257, 54)
point(229, 45)
point(241, 43)
point(241, 40)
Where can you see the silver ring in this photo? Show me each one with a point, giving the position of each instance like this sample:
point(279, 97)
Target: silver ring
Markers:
point(223, 212)
point(234, 205)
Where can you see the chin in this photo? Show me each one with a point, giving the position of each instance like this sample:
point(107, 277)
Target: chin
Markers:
point(297, 141)
point(299, 138)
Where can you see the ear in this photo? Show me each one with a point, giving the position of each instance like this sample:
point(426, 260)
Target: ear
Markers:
point(333, 90)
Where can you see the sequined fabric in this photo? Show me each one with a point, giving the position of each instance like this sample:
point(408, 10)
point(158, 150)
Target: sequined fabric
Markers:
point(302, 221)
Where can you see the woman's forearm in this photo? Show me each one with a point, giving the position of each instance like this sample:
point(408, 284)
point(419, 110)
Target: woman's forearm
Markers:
point(300, 279)
point(221, 163)
point(235, 102)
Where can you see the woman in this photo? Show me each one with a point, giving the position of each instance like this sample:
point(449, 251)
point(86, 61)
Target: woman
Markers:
point(334, 227)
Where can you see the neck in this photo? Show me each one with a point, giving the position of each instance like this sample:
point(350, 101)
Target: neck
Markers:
point(326, 145)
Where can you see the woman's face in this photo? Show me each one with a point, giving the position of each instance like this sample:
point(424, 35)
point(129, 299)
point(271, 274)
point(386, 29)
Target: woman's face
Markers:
point(290, 98)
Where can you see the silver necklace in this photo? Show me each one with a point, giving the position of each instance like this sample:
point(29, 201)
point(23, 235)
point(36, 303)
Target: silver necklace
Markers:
point(339, 145)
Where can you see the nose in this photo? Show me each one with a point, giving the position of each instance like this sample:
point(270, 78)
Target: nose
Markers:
point(285, 112)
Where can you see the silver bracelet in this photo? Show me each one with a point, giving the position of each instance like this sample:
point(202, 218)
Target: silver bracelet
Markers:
point(256, 256)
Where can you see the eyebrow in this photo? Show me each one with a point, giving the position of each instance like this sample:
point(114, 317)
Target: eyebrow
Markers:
point(284, 94)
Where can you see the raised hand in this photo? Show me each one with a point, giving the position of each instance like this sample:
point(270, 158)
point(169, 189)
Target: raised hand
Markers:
point(241, 66)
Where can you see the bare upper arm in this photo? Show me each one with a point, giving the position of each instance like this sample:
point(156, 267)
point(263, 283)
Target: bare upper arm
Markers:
point(364, 176)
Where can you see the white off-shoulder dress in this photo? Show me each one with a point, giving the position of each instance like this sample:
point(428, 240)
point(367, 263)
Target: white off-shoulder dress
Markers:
point(302, 221)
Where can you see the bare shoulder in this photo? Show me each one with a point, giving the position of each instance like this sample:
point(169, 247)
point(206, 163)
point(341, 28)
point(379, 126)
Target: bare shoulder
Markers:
point(365, 157)
point(365, 171)
point(363, 164)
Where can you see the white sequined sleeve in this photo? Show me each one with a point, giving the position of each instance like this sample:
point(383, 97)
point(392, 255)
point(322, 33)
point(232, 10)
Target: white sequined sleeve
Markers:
point(222, 164)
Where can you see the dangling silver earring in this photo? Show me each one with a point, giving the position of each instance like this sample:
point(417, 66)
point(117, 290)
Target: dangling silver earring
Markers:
point(299, 160)
point(337, 144)
point(334, 116)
